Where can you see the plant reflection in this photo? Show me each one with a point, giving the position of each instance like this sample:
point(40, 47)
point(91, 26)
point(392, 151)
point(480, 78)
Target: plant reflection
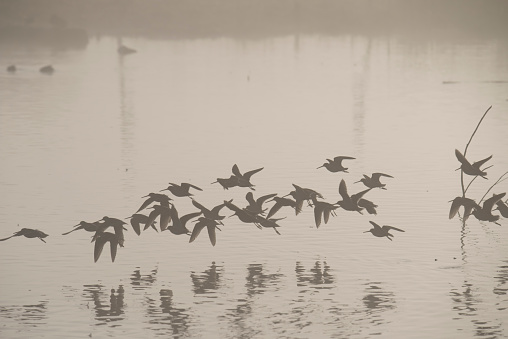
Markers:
point(466, 305)
point(208, 281)
point(319, 276)
point(104, 312)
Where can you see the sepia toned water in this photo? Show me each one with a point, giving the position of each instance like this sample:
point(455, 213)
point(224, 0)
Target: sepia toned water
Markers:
point(101, 132)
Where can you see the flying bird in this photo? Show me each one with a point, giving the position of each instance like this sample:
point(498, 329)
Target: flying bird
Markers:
point(28, 233)
point(384, 231)
point(162, 199)
point(335, 165)
point(485, 212)
point(181, 190)
point(244, 179)
point(373, 181)
point(473, 169)
point(350, 203)
point(100, 240)
point(210, 224)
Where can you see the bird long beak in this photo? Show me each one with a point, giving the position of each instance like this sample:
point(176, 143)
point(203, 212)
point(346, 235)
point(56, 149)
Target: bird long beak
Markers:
point(166, 189)
point(366, 232)
point(357, 181)
point(320, 166)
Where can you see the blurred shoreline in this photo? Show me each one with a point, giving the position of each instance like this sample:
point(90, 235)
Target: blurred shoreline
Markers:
point(175, 19)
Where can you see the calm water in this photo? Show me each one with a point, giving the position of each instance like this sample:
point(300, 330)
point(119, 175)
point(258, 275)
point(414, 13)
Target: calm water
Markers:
point(103, 131)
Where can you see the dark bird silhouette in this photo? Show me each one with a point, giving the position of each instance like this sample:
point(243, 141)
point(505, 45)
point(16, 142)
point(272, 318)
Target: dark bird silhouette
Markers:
point(11, 68)
point(162, 199)
point(137, 219)
point(468, 204)
point(282, 202)
point(301, 194)
point(87, 226)
point(210, 224)
point(350, 203)
point(384, 231)
point(323, 210)
point(335, 165)
point(232, 181)
point(181, 190)
point(256, 205)
point(242, 213)
point(124, 50)
point(268, 223)
point(178, 227)
point(212, 214)
point(244, 179)
point(373, 181)
point(117, 225)
point(473, 169)
point(502, 207)
point(100, 240)
point(165, 216)
point(368, 205)
point(47, 69)
point(485, 212)
point(28, 233)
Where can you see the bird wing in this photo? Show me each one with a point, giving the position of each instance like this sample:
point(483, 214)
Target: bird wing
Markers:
point(356, 197)
point(377, 175)
point(201, 207)
point(193, 186)
point(326, 215)
point(249, 174)
point(135, 224)
point(236, 171)
point(211, 232)
point(145, 204)
point(113, 245)
point(340, 158)
point(188, 217)
point(388, 227)
point(461, 158)
point(343, 190)
point(99, 246)
point(481, 162)
point(490, 202)
point(456, 203)
point(368, 205)
point(375, 225)
point(165, 219)
point(318, 211)
point(151, 218)
point(274, 210)
point(197, 229)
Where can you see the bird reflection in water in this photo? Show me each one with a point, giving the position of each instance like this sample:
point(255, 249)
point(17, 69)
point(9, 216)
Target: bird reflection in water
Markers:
point(318, 276)
point(377, 301)
point(139, 281)
point(165, 313)
point(26, 315)
point(104, 312)
point(207, 282)
point(502, 278)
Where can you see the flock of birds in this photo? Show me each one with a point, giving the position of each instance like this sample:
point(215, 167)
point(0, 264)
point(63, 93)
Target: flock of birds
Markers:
point(160, 207)
point(471, 207)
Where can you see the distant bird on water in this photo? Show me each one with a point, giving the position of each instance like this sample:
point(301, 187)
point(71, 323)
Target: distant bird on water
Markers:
point(124, 50)
point(181, 190)
point(28, 233)
point(335, 165)
point(48, 69)
point(384, 231)
point(373, 181)
point(471, 169)
point(11, 68)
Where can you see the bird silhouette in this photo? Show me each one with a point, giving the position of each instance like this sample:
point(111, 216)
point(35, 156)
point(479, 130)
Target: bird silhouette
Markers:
point(212, 214)
point(178, 223)
point(301, 194)
point(268, 223)
point(227, 183)
point(100, 240)
point(163, 212)
point(384, 231)
point(281, 202)
point(11, 68)
point(335, 165)
point(485, 212)
point(368, 205)
point(473, 169)
point(124, 50)
point(117, 225)
point(242, 213)
point(350, 203)
point(323, 210)
point(162, 199)
point(137, 219)
point(181, 190)
point(468, 204)
point(28, 233)
point(244, 179)
point(210, 224)
point(256, 205)
point(87, 226)
point(502, 207)
point(48, 69)
point(373, 181)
